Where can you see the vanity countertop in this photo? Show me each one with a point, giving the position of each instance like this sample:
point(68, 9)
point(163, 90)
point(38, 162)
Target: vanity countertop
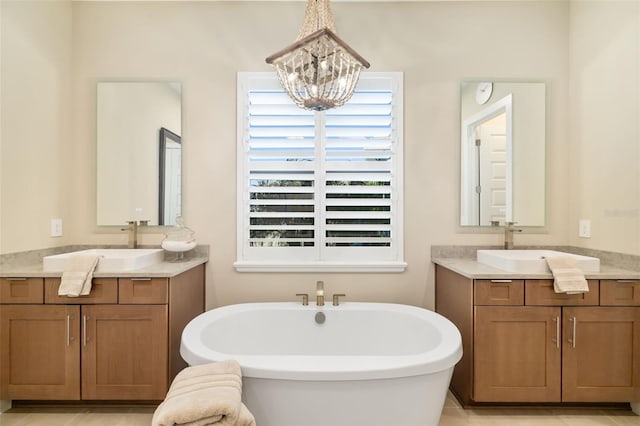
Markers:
point(473, 269)
point(159, 270)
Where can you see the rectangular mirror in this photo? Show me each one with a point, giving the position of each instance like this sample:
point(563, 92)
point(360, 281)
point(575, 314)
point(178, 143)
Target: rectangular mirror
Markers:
point(502, 153)
point(139, 152)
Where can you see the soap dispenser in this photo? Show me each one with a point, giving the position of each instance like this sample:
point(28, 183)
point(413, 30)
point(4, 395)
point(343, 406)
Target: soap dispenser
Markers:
point(179, 239)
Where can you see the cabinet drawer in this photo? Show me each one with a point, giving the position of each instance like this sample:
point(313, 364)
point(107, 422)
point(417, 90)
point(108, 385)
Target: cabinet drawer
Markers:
point(541, 293)
point(103, 290)
point(499, 292)
point(21, 290)
point(143, 291)
point(620, 292)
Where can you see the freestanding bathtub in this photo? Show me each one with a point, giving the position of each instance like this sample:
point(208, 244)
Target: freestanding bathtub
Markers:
point(368, 364)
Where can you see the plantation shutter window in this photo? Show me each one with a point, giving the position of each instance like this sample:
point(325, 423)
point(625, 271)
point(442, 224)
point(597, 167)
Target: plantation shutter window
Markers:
point(320, 191)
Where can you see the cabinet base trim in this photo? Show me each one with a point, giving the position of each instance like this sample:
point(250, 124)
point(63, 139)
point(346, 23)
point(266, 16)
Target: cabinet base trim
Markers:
point(21, 403)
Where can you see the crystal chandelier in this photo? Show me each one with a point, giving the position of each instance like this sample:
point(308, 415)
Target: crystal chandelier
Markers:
point(319, 71)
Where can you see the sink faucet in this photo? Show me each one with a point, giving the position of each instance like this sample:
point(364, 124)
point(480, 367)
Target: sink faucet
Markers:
point(132, 231)
point(320, 293)
point(508, 234)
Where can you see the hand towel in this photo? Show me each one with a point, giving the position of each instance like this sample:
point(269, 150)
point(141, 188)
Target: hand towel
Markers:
point(77, 275)
point(209, 394)
point(567, 277)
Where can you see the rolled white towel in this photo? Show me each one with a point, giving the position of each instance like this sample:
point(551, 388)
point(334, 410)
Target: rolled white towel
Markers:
point(209, 394)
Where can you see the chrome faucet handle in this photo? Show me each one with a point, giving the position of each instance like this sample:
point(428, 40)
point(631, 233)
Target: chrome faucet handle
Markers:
point(305, 298)
point(336, 300)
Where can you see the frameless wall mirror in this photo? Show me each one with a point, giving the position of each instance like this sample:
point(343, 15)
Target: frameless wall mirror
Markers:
point(139, 152)
point(502, 154)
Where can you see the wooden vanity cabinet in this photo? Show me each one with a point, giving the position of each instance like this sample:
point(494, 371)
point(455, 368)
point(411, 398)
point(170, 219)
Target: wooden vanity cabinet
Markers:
point(600, 354)
point(522, 342)
point(40, 352)
point(517, 355)
point(121, 342)
point(124, 352)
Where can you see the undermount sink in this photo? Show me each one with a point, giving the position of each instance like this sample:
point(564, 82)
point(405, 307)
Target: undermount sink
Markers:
point(111, 260)
point(532, 261)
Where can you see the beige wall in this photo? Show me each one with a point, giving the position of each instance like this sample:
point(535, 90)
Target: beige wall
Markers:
point(204, 45)
point(436, 45)
point(605, 124)
point(35, 124)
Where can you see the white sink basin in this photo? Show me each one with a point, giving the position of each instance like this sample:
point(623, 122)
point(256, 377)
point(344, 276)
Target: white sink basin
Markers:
point(112, 260)
point(532, 261)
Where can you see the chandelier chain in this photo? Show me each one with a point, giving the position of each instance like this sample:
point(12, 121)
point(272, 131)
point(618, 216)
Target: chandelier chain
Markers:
point(317, 15)
point(318, 71)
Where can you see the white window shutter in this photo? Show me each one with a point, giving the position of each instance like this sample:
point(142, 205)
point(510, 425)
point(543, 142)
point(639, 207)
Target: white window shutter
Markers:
point(319, 190)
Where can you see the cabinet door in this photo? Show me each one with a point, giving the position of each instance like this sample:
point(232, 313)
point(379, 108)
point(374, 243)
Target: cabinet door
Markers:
point(600, 354)
point(40, 356)
point(124, 352)
point(517, 354)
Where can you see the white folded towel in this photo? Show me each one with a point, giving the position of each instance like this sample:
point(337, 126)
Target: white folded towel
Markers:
point(567, 277)
point(209, 394)
point(77, 275)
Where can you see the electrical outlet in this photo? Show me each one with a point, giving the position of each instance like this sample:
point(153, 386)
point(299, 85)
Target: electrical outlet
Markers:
point(584, 228)
point(56, 227)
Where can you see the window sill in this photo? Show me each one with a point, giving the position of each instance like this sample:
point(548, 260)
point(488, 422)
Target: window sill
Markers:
point(390, 267)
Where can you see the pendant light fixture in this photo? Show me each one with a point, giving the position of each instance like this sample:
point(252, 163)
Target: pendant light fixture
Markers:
point(319, 71)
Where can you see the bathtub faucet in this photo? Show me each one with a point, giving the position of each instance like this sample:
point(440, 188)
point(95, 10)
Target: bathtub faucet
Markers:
point(320, 293)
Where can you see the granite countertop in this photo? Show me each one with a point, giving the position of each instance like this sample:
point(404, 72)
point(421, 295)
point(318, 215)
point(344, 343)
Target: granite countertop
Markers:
point(159, 270)
point(29, 264)
point(473, 269)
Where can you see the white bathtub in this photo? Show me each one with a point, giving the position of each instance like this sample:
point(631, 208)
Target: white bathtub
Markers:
point(369, 364)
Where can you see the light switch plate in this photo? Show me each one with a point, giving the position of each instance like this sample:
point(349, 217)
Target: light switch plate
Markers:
point(584, 228)
point(56, 227)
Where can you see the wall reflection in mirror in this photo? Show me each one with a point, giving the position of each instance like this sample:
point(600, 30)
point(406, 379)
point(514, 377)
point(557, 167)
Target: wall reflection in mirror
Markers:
point(502, 155)
point(138, 163)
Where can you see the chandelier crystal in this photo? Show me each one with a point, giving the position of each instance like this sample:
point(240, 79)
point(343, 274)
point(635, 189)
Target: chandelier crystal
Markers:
point(319, 71)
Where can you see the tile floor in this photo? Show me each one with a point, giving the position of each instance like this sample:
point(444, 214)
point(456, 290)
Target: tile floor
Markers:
point(452, 415)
